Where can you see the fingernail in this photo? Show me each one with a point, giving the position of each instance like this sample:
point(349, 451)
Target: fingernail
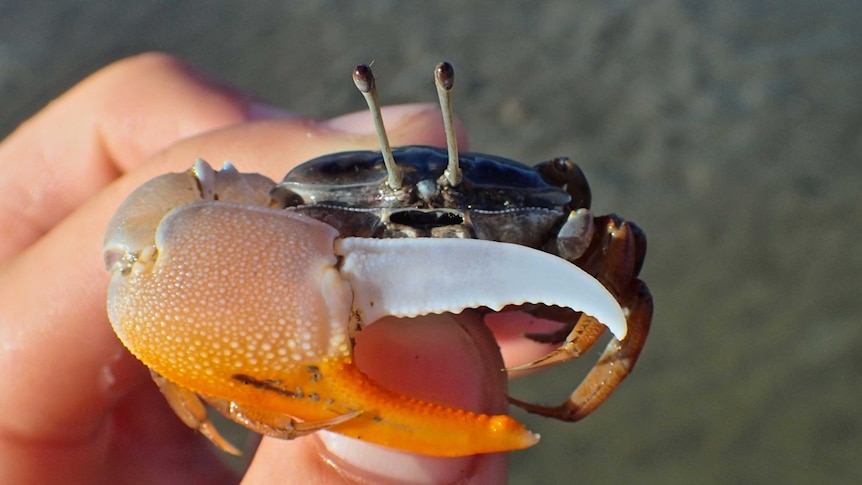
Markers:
point(366, 462)
point(262, 111)
point(394, 117)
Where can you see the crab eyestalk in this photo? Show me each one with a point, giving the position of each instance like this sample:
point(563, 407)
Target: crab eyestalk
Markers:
point(444, 79)
point(253, 307)
point(364, 80)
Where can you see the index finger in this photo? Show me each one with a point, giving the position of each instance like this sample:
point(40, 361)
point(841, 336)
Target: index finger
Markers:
point(107, 124)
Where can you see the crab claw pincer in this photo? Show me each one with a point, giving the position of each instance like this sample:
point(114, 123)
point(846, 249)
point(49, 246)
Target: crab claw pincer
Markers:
point(252, 308)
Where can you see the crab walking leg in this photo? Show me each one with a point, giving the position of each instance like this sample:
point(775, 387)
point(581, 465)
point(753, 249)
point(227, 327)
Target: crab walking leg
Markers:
point(614, 258)
point(412, 277)
point(581, 339)
point(614, 365)
point(190, 409)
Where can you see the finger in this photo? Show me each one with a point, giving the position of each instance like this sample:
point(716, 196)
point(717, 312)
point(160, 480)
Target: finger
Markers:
point(107, 124)
point(63, 369)
point(273, 147)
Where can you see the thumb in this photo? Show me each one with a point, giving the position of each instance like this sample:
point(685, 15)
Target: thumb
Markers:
point(449, 359)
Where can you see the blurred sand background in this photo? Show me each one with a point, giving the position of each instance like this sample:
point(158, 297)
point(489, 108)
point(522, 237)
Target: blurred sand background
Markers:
point(730, 131)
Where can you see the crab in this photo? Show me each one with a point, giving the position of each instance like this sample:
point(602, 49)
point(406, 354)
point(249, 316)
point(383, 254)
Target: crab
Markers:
point(246, 295)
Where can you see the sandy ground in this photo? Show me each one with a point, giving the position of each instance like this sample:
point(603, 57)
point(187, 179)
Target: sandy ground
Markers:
point(730, 131)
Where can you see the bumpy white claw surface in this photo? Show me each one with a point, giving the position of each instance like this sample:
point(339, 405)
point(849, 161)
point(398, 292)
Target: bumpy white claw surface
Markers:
point(412, 277)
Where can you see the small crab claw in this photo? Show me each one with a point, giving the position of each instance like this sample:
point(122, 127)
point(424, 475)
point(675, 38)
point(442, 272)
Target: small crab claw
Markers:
point(250, 308)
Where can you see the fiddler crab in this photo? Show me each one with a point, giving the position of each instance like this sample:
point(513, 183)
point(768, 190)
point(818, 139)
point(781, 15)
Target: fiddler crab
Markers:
point(246, 294)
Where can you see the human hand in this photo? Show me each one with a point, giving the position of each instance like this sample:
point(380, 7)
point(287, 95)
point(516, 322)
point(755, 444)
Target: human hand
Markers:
point(74, 404)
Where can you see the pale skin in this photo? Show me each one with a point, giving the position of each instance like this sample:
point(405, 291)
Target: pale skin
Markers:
point(75, 406)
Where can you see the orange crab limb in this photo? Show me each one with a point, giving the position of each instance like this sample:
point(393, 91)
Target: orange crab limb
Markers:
point(372, 413)
point(337, 387)
point(614, 365)
point(583, 336)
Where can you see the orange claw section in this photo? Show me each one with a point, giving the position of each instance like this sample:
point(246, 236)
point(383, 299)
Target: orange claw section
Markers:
point(337, 387)
point(409, 424)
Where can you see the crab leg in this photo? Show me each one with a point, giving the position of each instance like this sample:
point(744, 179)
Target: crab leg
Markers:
point(190, 409)
point(583, 336)
point(615, 259)
point(615, 364)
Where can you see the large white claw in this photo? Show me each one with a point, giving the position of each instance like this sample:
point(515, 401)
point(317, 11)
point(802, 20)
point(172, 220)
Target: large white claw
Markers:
point(412, 277)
